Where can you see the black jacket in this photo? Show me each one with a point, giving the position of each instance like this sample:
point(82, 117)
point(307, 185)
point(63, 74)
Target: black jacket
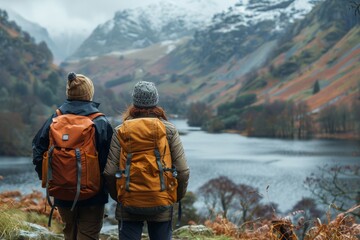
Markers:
point(103, 135)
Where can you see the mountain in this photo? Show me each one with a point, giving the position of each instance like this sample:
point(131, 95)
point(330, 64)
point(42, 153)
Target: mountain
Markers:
point(322, 48)
point(142, 27)
point(38, 32)
point(243, 29)
point(30, 86)
point(228, 46)
point(277, 53)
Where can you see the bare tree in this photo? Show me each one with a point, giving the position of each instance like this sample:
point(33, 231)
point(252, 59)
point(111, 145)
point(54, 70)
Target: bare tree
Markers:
point(247, 200)
point(310, 212)
point(303, 120)
point(218, 193)
point(355, 111)
point(336, 186)
point(328, 119)
point(356, 6)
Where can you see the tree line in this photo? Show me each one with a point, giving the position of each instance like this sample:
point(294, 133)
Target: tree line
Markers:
point(277, 119)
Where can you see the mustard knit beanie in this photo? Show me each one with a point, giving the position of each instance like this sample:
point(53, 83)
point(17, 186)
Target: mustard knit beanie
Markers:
point(79, 87)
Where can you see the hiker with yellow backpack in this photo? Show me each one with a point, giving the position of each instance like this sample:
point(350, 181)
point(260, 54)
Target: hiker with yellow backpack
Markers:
point(70, 153)
point(146, 171)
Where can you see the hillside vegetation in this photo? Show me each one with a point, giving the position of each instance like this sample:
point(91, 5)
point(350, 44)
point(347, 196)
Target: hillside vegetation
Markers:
point(31, 87)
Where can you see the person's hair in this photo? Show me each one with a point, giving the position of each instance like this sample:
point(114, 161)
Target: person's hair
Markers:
point(135, 112)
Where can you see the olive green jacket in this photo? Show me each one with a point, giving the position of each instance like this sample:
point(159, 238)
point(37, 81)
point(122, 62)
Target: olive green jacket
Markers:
point(178, 160)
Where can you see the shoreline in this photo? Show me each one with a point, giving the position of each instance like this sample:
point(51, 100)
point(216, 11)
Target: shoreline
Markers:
point(319, 136)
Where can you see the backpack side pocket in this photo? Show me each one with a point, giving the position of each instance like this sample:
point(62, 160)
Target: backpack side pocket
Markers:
point(92, 172)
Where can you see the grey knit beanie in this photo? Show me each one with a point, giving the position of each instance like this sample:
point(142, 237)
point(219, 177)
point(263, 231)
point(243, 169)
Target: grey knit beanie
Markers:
point(145, 94)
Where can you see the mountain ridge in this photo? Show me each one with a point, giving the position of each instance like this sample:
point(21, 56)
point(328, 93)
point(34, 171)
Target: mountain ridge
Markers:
point(144, 26)
point(234, 70)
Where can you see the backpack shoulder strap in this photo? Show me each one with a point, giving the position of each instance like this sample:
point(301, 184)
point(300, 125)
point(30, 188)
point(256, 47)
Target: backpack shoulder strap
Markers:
point(58, 112)
point(95, 115)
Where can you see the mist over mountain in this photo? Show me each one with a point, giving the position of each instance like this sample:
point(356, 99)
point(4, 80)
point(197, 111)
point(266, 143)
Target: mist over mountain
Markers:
point(69, 42)
point(62, 44)
point(38, 32)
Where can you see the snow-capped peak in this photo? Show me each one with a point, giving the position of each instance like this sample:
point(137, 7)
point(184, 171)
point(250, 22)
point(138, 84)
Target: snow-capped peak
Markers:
point(250, 12)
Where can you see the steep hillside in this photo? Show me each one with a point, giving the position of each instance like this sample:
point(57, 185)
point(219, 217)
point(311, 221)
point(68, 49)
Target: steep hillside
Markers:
point(308, 87)
point(323, 47)
point(30, 86)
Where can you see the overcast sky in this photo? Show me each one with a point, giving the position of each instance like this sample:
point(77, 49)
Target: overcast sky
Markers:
point(60, 16)
point(69, 15)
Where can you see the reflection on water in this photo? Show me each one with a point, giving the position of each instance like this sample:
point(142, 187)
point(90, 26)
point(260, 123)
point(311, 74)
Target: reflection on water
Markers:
point(282, 165)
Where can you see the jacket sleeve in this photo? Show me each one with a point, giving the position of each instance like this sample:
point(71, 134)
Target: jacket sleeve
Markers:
point(103, 135)
point(40, 144)
point(178, 159)
point(112, 164)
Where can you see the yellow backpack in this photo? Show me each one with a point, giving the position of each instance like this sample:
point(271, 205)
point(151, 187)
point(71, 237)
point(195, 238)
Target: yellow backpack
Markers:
point(146, 181)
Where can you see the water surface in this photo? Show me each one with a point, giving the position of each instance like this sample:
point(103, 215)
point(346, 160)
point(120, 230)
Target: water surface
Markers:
point(280, 165)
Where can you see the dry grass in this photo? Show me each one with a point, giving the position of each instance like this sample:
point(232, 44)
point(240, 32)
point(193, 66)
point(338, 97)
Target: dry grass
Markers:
point(342, 227)
point(10, 224)
point(16, 209)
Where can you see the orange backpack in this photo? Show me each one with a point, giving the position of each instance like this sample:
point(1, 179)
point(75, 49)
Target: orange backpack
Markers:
point(146, 181)
point(70, 169)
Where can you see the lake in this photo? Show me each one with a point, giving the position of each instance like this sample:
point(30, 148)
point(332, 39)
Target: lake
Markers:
point(282, 165)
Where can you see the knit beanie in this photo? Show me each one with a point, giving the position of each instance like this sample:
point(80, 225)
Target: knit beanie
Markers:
point(79, 87)
point(145, 94)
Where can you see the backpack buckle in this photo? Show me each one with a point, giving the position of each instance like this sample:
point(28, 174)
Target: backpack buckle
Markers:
point(65, 137)
point(118, 174)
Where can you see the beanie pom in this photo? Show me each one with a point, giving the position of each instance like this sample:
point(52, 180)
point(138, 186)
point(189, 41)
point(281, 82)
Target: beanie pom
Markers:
point(71, 76)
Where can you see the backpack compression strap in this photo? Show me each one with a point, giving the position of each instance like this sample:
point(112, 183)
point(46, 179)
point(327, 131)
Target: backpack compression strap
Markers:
point(78, 166)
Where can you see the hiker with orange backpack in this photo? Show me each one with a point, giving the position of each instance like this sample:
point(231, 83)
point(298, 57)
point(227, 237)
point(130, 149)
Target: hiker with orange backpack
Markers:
point(146, 171)
point(70, 153)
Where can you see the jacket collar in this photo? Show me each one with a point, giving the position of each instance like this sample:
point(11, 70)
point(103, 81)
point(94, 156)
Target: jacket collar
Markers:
point(79, 107)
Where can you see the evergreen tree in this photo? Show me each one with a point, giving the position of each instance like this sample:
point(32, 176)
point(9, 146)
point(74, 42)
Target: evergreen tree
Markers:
point(316, 87)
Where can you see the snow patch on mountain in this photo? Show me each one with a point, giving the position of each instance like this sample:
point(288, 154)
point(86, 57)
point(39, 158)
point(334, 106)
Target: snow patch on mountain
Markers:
point(250, 12)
